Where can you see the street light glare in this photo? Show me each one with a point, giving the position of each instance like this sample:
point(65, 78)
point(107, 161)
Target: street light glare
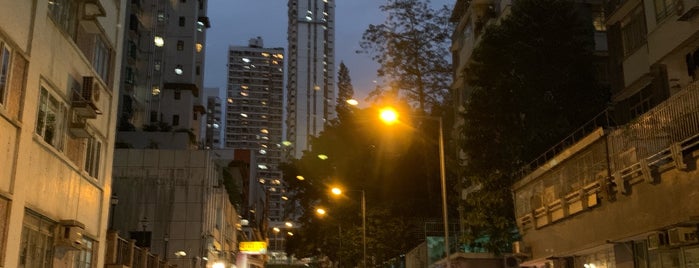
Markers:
point(388, 115)
point(320, 211)
point(336, 191)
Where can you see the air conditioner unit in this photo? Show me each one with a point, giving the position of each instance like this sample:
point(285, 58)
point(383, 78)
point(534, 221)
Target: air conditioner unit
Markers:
point(84, 100)
point(520, 249)
point(70, 235)
point(657, 240)
point(91, 89)
point(682, 235)
point(511, 262)
point(90, 10)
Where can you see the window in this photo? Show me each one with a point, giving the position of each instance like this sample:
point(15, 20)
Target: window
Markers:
point(178, 94)
point(598, 20)
point(92, 157)
point(51, 119)
point(37, 241)
point(4, 71)
point(633, 31)
point(664, 8)
point(180, 45)
point(64, 14)
point(182, 20)
point(102, 59)
point(176, 120)
point(154, 116)
point(83, 258)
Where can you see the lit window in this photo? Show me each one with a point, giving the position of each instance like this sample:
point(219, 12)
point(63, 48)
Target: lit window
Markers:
point(265, 54)
point(155, 90)
point(159, 41)
point(244, 94)
point(246, 60)
point(199, 47)
point(179, 70)
point(51, 119)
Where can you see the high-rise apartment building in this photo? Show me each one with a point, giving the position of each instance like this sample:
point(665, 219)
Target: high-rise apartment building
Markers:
point(254, 110)
point(213, 134)
point(163, 69)
point(311, 71)
point(58, 88)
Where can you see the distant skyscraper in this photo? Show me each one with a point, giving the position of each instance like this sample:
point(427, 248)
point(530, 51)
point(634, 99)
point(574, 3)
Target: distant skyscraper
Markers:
point(311, 80)
point(162, 73)
point(213, 136)
point(254, 110)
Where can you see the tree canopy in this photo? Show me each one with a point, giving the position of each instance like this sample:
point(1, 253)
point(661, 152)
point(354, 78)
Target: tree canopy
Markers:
point(533, 84)
point(396, 167)
point(411, 48)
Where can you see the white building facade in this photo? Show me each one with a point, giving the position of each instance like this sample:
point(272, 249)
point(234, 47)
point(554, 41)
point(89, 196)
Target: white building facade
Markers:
point(58, 99)
point(311, 94)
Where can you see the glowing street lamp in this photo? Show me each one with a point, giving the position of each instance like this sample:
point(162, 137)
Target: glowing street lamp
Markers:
point(338, 191)
point(390, 116)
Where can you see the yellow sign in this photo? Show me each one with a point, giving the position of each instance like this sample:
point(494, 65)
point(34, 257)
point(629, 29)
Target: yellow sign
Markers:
point(253, 247)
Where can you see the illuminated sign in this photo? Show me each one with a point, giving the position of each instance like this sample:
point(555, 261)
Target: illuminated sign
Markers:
point(253, 247)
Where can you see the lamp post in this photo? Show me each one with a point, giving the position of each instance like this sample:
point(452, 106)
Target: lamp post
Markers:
point(113, 201)
point(389, 115)
point(338, 191)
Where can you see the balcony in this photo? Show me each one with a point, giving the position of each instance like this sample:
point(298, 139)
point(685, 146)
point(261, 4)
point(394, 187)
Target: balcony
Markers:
point(125, 254)
point(609, 163)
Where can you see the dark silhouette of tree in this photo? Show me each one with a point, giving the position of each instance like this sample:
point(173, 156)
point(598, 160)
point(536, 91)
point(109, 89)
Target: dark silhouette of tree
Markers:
point(345, 91)
point(397, 168)
point(411, 48)
point(534, 83)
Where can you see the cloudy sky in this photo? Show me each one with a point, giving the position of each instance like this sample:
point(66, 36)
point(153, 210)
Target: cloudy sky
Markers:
point(234, 22)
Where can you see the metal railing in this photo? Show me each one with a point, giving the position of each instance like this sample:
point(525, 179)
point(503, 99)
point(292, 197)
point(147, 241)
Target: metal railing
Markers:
point(674, 120)
point(123, 253)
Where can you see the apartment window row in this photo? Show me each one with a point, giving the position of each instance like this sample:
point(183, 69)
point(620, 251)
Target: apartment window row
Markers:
point(65, 14)
point(52, 123)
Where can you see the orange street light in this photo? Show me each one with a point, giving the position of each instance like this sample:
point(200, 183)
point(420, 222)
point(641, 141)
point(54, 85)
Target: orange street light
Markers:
point(390, 116)
point(338, 191)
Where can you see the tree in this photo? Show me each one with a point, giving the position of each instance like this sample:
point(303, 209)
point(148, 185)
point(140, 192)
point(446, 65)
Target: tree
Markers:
point(345, 91)
point(411, 48)
point(533, 80)
point(398, 172)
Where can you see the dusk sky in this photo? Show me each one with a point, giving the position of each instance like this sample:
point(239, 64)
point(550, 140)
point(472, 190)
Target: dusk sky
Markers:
point(234, 22)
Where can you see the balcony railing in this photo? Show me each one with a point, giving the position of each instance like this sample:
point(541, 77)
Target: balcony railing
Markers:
point(608, 163)
point(122, 253)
